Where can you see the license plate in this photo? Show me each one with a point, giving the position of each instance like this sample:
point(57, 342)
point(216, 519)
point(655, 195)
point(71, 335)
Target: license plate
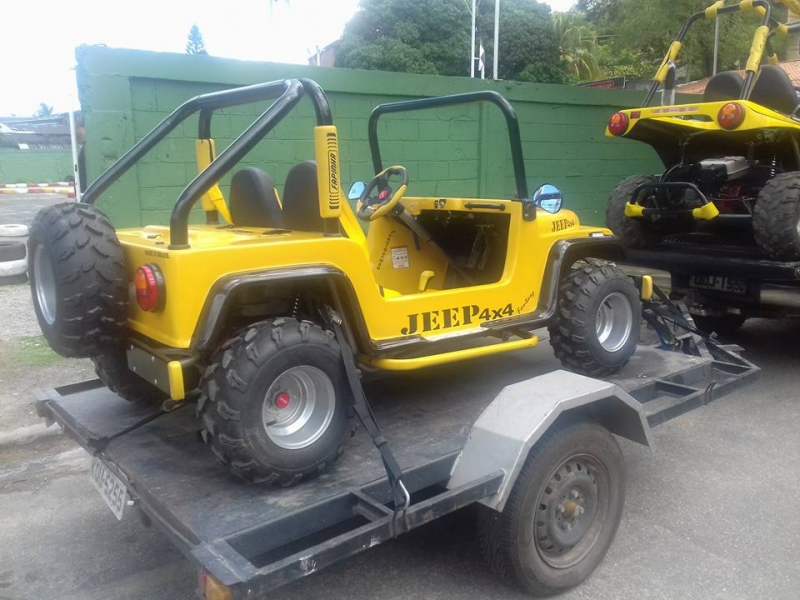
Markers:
point(110, 487)
point(719, 283)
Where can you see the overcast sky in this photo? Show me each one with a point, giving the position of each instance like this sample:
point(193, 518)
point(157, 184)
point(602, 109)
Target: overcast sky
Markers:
point(38, 37)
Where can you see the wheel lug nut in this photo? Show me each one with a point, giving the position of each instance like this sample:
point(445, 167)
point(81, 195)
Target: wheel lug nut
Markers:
point(575, 495)
point(580, 510)
point(561, 509)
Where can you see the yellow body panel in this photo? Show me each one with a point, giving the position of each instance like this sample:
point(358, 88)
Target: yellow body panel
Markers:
point(703, 117)
point(436, 313)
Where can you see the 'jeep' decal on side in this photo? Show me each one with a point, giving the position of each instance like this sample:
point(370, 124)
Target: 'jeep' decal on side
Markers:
point(562, 224)
point(456, 316)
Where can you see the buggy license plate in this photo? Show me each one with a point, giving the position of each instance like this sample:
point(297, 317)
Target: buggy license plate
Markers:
point(719, 283)
point(110, 487)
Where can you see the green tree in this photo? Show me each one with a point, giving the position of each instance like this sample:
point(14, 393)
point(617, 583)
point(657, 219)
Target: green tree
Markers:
point(433, 36)
point(578, 47)
point(528, 46)
point(44, 110)
point(639, 31)
point(424, 36)
point(195, 43)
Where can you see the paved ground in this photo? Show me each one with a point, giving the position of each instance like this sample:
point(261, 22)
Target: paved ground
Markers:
point(710, 514)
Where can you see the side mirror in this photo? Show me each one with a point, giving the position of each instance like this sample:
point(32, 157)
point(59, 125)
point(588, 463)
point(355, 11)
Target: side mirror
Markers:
point(548, 198)
point(356, 190)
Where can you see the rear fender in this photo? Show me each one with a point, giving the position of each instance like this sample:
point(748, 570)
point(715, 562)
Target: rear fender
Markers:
point(220, 301)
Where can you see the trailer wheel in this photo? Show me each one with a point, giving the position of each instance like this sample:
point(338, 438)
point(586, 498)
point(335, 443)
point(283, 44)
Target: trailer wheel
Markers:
point(776, 217)
point(275, 402)
point(599, 315)
point(563, 511)
point(634, 233)
point(720, 324)
point(77, 274)
point(112, 369)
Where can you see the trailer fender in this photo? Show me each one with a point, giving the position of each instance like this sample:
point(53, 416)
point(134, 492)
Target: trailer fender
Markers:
point(522, 413)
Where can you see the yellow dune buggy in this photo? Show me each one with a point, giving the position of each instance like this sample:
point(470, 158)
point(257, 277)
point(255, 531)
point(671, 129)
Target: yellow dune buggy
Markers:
point(732, 160)
point(260, 308)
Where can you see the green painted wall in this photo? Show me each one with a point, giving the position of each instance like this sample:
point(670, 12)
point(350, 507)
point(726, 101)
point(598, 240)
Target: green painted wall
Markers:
point(456, 151)
point(34, 166)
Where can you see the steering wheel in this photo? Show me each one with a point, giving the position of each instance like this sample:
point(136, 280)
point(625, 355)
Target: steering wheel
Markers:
point(374, 207)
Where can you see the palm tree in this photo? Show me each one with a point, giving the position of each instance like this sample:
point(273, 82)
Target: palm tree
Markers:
point(577, 44)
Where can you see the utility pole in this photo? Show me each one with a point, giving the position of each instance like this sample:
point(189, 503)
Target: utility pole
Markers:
point(496, 56)
point(472, 45)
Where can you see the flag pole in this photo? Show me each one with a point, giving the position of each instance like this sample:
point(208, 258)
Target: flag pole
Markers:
point(472, 46)
point(495, 58)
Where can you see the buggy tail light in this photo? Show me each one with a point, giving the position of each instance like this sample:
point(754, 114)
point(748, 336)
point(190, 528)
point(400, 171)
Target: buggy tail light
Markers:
point(618, 123)
point(731, 115)
point(151, 294)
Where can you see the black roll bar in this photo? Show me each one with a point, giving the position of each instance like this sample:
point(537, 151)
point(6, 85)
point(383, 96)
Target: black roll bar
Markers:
point(288, 93)
point(468, 98)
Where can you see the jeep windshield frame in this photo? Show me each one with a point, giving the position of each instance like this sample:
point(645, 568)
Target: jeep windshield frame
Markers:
point(504, 105)
point(287, 93)
point(760, 39)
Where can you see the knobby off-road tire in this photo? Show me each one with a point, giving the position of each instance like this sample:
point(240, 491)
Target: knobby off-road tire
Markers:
point(634, 233)
point(597, 322)
point(275, 404)
point(112, 368)
point(77, 273)
point(563, 511)
point(776, 217)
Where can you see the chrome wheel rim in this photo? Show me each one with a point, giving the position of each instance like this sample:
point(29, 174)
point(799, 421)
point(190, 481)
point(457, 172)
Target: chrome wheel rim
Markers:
point(44, 282)
point(298, 407)
point(614, 322)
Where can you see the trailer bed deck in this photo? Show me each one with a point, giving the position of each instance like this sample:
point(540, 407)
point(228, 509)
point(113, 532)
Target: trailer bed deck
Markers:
point(265, 537)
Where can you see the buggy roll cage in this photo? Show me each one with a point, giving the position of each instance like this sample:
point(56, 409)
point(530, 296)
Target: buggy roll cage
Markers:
point(469, 98)
point(760, 41)
point(288, 93)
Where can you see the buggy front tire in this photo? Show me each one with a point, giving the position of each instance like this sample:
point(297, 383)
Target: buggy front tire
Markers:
point(776, 217)
point(77, 276)
point(275, 404)
point(634, 233)
point(563, 511)
point(597, 322)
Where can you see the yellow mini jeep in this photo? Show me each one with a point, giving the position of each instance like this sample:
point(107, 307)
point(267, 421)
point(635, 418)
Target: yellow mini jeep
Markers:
point(732, 161)
point(259, 308)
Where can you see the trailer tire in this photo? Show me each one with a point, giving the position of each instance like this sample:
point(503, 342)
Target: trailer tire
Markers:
point(776, 217)
point(563, 511)
point(77, 274)
point(275, 403)
point(597, 322)
point(720, 324)
point(112, 368)
point(634, 233)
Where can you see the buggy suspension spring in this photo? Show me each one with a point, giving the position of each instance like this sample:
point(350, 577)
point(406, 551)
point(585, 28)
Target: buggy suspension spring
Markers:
point(295, 306)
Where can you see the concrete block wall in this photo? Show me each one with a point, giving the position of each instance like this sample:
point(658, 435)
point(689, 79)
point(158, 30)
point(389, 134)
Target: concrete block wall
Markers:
point(34, 166)
point(457, 151)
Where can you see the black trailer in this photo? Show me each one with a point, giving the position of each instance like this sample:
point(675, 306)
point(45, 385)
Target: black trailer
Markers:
point(459, 443)
point(724, 283)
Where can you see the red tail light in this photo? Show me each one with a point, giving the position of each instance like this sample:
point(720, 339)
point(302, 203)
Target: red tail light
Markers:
point(731, 115)
point(618, 123)
point(150, 290)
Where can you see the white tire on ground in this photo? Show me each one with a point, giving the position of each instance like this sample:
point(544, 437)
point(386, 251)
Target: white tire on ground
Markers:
point(13, 230)
point(10, 268)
